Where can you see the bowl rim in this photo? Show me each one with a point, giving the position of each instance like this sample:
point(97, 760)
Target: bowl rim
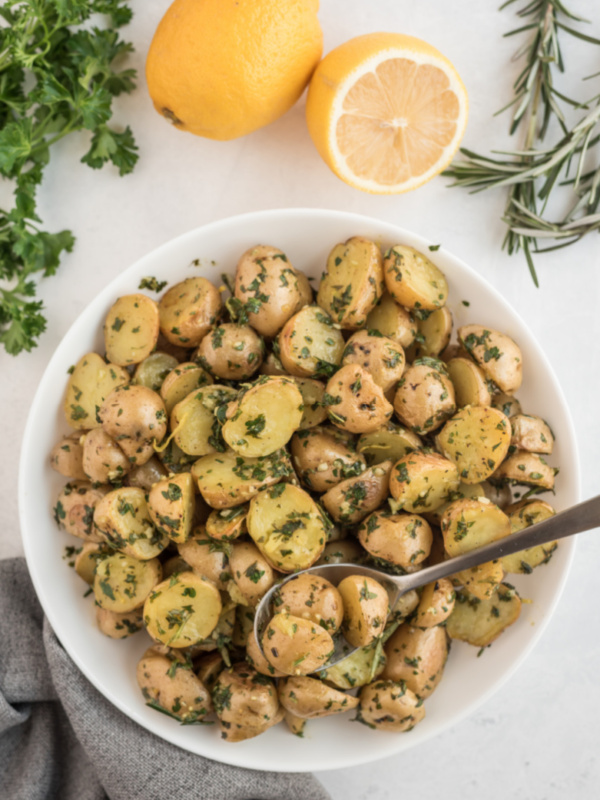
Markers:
point(335, 759)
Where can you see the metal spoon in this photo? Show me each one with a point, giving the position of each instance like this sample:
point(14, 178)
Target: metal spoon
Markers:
point(579, 518)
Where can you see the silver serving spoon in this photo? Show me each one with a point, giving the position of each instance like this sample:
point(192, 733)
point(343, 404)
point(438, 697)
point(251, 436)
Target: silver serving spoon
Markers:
point(579, 518)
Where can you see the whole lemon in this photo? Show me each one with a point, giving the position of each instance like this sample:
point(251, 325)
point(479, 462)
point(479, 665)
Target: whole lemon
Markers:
point(224, 68)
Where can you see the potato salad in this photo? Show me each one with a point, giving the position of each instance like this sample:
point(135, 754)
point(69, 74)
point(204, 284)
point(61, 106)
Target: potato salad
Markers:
point(229, 436)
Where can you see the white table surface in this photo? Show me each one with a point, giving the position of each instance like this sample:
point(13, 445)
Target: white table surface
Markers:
point(537, 738)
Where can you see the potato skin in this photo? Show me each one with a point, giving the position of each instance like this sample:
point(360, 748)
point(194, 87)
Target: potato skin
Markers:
point(102, 458)
point(119, 626)
point(252, 573)
point(355, 403)
point(353, 499)
point(417, 657)
point(365, 609)
point(401, 539)
point(413, 280)
point(435, 604)
point(311, 597)
point(381, 356)
point(323, 457)
point(74, 509)
point(131, 329)
point(66, 457)
point(122, 518)
point(135, 417)
point(393, 320)
point(309, 344)
point(531, 433)
point(166, 680)
point(496, 353)
point(310, 698)
point(256, 659)
point(245, 702)
point(90, 382)
point(188, 310)
point(295, 645)
point(390, 706)
point(424, 398)
point(231, 351)
point(421, 482)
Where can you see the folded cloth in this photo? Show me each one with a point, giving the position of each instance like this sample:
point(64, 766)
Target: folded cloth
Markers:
point(61, 740)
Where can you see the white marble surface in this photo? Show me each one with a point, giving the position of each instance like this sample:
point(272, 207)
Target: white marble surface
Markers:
point(537, 739)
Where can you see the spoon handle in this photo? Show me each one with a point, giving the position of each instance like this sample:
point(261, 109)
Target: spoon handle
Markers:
point(582, 517)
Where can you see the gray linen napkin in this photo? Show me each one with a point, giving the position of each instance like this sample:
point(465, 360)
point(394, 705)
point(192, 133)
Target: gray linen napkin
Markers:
point(61, 740)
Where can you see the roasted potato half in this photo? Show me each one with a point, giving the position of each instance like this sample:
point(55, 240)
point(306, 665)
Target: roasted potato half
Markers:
point(310, 345)
point(181, 382)
point(381, 356)
point(400, 539)
point(323, 457)
point(195, 424)
point(231, 351)
point(245, 702)
point(470, 385)
point(131, 329)
point(296, 646)
point(66, 457)
point(479, 622)
point(355, 402)
point(353, 499)
point(416, 656)
point(469, 524)
point(311, 597)
point(424, 398)
point(168, 682)
point(171, 505)
point(413, 280)
point(394, 321)
point(366, 605)
point(310, 698)
point(153, 370)
point(532, 434)
point(90, 383)
point(496, 353)
point(421, 482)
point(136, 418)
point(188, 310)
point(74, 509)
point(122, 583)
point(390, 706)
point(389, 443)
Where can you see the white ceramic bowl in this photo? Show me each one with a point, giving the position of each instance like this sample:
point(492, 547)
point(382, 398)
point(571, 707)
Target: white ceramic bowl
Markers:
point(306, 235)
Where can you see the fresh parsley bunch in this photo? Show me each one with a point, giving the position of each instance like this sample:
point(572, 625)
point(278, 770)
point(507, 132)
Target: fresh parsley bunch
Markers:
point(56, 76)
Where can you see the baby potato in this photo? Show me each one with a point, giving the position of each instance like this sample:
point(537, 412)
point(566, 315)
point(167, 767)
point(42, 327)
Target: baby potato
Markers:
point(123, 583)
point(245, 702)
point(207, 558)
point(424, 398)
point(381, 356)
point(401, 539)
point(310, 345)
point(476, 439)
point(498, 494)
point(342, 552)
point(390, 706)
point(416, 657)
point(146, 475)
point(181, 382)
point(482, 580)
point(496, 353)
point(227, 524)
point(296, 646)
point(287, 526)
point(183, 610)
point(365, 609)
point(531, 433)
point(119, 626)
point(507, 404)
point(310, 698)
point(264, 418)
point(355, 402)
point(472, 491)
point(171, 504)
point(194, 424)
point(470, 385)
point(393, 321)
point(323, 457)
point(312, 392)
point(528, 469)
point(353, 282)
point(272, 364)
point(389, 443)
point(521, 515)
point(311, 597)
point(435, 331)
point(188, 311)
point(74, 509)
point(421, 482)
point(228, 479)
point(91, 381)
point(103, 459)
point(353, 499)
point(87, 558)
point(480, 622)
point(152, 371)
point(413, 280)
point(269, 288)
point(122, 518)
point(436, 603)
point(251, 572)
point(231, 351)
point(469, 524)
point(167, 681)
point(66, 457)
point(359, 668)
point(135, 417)
point(255, 657)
point(131, 329)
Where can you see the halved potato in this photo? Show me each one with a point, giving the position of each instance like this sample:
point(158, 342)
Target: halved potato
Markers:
point(228, 479)
point(153, 370)
point(194, 424)
point(424, 398)
point(381, 356)
point(482, 580)
point(366, 606)
point(357, 669)
point(496, 353)
point(66, 457)
point(135, 417)
point(393, 320)
point(183, 610)
point(435, 330)
point(227, 524)
point(168, 682)
point(188, 310)
point(390, 706)
point(416, 656)
point(507, 404)
point(413, 280)
point(421, 482)
point(245, 702)
point(122, 517)
point(90, 383)
point(479, 622)
point(103, 460)
point(310, 345)
point(323, 457)
point(181, 381)
point(522, 515)
point(231, 352)
point(473, 491)
point(312, 392)
point(207, 558)
point(353, 282)
point(264, 418)
point(470, 385)
point(355, 402)
point(310, 698)
point(288, 527)
point(171, 505)
point(476, 439)
point(353, 499)
point(435, 604)
point(131, 329)
point(117, 625)
point(311, 597)
point(401, 539)
point(296, 646)
point(87, 558)
point(122, 583)
point(531, 433)
point(74, 509)
point(469, 524)
point(389, 443)
point(251, 571)
point(526, 468)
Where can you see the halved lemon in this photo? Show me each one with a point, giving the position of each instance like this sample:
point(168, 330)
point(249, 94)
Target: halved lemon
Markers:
point(386, 112)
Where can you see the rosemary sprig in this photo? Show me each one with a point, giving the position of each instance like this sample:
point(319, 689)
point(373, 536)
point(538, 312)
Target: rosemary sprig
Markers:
point(532, 172)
